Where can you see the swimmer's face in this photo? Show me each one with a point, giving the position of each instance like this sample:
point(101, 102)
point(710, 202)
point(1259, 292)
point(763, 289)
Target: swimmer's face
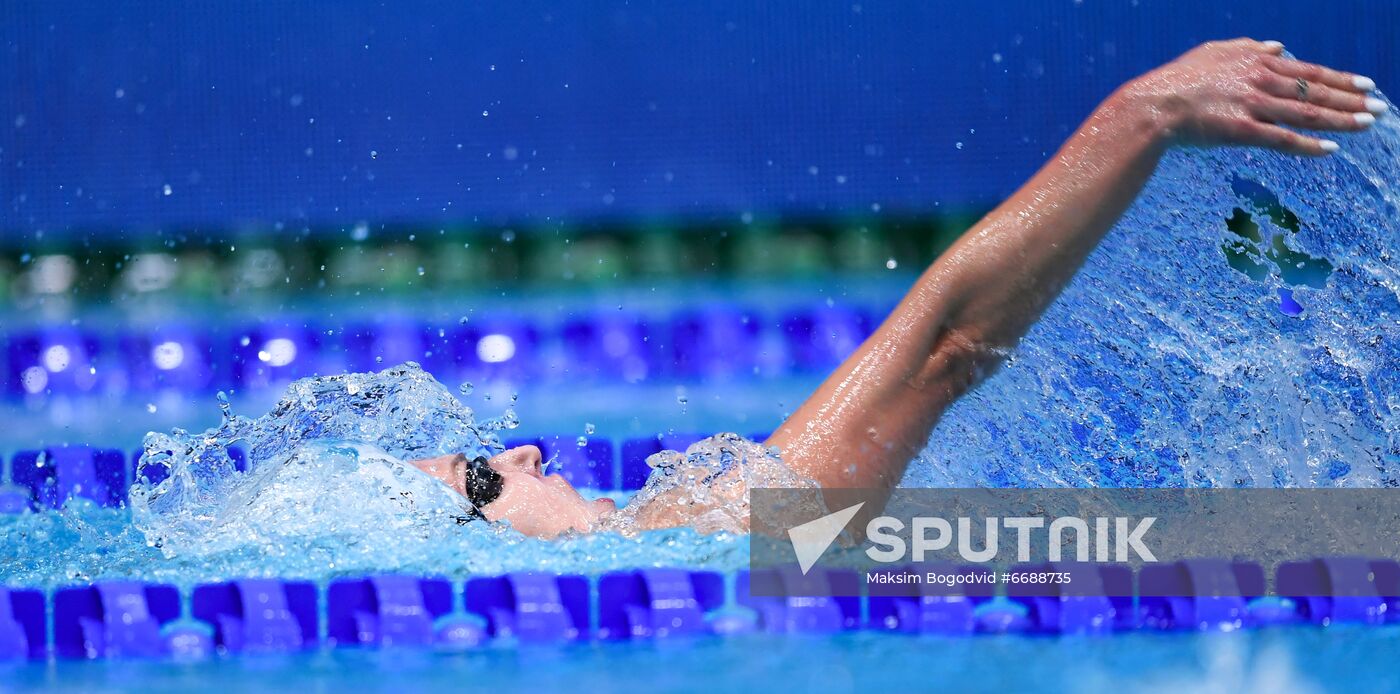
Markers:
point(538, 504)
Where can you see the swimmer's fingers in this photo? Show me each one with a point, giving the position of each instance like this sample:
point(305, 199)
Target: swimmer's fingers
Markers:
point(1282, 139)
point(1306, 115)
point(1269, 47)
point(1322, 95)
point(1318, 75)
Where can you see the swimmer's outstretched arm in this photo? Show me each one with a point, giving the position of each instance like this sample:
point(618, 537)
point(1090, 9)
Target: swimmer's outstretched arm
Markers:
point(876, 411)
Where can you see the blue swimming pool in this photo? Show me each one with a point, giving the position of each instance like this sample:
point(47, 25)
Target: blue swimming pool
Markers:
point(214, 360)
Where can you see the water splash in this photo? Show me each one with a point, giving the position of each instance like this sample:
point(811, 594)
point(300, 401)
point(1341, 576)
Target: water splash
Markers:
point(361, 425)
point(706, 487)
point(1164, 366)
point(326, 493)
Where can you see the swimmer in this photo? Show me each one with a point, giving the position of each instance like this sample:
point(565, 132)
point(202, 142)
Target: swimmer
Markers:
point(869, 418)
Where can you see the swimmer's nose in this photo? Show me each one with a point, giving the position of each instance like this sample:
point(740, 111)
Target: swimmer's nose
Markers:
point(527, 459)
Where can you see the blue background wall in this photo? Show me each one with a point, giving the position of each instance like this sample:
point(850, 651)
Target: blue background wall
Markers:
point(326, 114)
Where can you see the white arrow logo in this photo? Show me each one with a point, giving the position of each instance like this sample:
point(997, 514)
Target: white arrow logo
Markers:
point(810, 540)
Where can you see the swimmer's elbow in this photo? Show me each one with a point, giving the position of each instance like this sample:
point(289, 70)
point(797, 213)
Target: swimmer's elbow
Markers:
point(959, 359)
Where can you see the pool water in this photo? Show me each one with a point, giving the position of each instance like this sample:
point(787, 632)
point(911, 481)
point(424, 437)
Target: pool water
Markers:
point(1281, 660)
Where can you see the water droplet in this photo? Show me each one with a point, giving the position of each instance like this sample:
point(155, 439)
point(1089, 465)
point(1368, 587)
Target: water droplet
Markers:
point(225, 410)
point(466, 388)
point(582, 441)
point(588, 428)
point(167, 190)
point(150, 407)
point(891, 264)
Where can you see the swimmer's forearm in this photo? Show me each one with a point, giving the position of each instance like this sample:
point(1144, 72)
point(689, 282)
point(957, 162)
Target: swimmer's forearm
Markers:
point(877, 409)
point(995, 282)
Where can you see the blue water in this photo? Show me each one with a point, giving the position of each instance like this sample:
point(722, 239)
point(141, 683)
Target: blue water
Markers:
point(1267, 662)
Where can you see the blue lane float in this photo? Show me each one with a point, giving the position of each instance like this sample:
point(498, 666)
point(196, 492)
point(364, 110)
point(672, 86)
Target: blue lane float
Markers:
point(124, 619)
point(608, 347)
point(258, 615)
point(818, 339)
point(532, 607)
point(114, 619)
point(725, 341)
point(1338, 589)
point(175, 357)
point(23, 626)
point(931, 608)
point(1201, 594)
point(1079, 605)
point(719, 342)
point(388, 610)
point(657, 603)
point(761, 591)
point(60, 360)
point(55, 475)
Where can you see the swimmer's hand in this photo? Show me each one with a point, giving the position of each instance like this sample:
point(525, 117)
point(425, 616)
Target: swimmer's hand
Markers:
point(1242, 92)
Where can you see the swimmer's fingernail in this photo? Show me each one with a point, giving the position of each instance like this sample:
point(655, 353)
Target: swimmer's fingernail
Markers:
point(1328, 146)
point(1364, 120)
point(1274, 45)
point(1365, 84)
point(1376, 106)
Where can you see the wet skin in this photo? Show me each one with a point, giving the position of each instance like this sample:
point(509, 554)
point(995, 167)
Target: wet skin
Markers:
point(534, 503)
